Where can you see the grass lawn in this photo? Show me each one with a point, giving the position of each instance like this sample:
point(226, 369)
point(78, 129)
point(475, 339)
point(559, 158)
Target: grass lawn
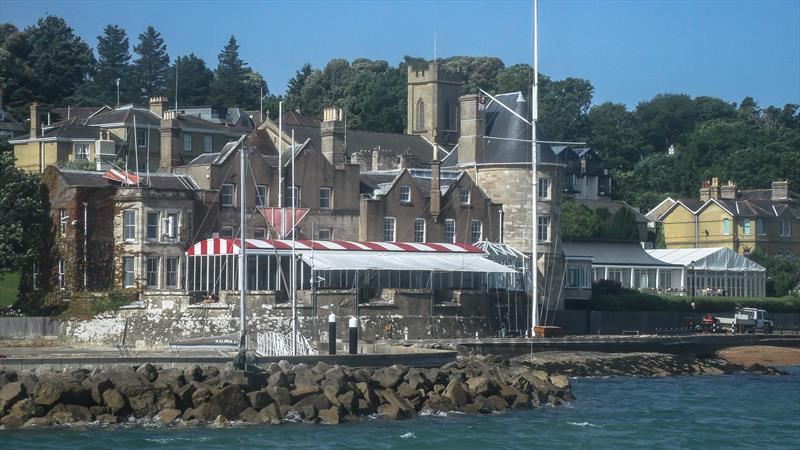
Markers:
point(8, 289)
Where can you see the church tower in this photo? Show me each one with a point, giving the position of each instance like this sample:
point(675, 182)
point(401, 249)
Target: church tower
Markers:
point(433, 103)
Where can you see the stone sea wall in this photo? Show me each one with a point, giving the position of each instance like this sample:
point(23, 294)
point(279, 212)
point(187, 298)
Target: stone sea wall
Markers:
point(281, 393)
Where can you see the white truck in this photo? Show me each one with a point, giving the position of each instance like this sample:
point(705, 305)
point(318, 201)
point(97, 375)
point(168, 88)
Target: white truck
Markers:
point(750, 320)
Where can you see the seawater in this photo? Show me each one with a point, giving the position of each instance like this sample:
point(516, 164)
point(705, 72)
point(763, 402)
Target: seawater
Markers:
point(724, 411)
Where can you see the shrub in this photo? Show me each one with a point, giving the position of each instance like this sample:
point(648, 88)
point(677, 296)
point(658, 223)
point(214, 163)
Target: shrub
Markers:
point(632, 300)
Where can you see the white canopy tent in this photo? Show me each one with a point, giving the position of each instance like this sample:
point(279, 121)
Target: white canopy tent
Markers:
point(336, 264)
point(716, 271)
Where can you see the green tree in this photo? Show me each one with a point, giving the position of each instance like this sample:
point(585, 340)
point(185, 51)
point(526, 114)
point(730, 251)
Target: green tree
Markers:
point(376, 100)
point(663, 119)
point(235, 84)
point(623, 225)
point(194, 81)
point(114, 55)
point(518, 77)
point(614, 135)
point(46, 62)
point(24, 216)
point(294, 89)
point(564, 107)
point(578, 221)
point(478, 71)
point(152, 65)
point(783, 276)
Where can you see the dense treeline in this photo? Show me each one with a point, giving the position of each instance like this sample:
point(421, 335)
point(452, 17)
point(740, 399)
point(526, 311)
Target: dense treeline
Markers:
point(746, 143)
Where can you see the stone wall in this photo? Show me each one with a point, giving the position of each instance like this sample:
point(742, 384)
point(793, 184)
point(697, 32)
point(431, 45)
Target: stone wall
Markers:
point(159, 319)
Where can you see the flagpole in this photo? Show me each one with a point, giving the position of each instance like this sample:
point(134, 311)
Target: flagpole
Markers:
point(534, 175)
point(294, 256)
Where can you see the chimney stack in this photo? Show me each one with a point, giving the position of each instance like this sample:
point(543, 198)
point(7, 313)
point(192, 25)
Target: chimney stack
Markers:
point(157, 105)
point(709, 190)
point(780, 191)
point(332, 134)
point(728, 192)
point(473, 125)
point(170, 142)
point(436, 195)
point(36, 121)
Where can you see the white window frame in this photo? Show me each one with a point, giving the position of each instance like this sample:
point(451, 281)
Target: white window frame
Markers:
point(223, 196)
point(329, 192)
point(389, 229)
point(63, 219)
point(747, 227)
point(259, 233)
point(543, 188)
point(544, 226)
point(226, 232)
point(175, 270)
point(155, 235)
point(726, 226)
point(149, 271)
point(187, 142)
point(261, 195)
point(405, 194)
point(171, 230)
point(62, 274)
point(126, 272)
point(464, 196)
point(448, 224)
point(293, 192)
point(208, 144)
point(325, 234)
point(420, 230)
point(82, 151)
point(472, 230)
point(785, 227)
point(129, 226)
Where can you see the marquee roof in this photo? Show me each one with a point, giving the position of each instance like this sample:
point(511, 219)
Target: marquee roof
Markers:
point(716, 258)
point(353, 255)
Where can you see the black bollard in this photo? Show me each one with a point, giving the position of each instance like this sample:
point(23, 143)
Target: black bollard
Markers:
point(353, 323)
point(332, 334)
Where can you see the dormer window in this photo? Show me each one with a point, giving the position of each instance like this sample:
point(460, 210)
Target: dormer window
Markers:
point(463, 196)
point(405, 194)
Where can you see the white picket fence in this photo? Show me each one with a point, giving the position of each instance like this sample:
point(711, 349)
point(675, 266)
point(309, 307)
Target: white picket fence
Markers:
point(271, 343)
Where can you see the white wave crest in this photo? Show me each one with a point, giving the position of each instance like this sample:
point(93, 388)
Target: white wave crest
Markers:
point(408, 435)
point(584, 424)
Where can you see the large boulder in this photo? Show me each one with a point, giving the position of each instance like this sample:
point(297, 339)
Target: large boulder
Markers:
point(148, 372)
point(115, 401)
point(304, 391)
point(193, 373)
point(12, 393)
point(304, 377)
point(168, 415)
point(388, 377)
point(329, 416)
point(144, 404)
point(228, 402)
point(63, 388)
point(481, 386)
point(456, 393)
point(259, 399)
point(279, 395)
point(336, 379)
point(183, 396)
point(25, 409)
point(127, 382)
point(278, 379)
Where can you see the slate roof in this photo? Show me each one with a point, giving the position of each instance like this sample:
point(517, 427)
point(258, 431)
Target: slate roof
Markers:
point(378, 182)
point(86, 178)
point(125, 115)
point(611, 253)
point(612, 206)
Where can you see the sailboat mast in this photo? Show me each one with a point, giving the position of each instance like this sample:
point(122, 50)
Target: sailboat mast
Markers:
point(534, 175)
point(242, 245)
point(294, 256)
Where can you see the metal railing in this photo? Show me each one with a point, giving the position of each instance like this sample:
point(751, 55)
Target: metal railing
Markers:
point(271, 343)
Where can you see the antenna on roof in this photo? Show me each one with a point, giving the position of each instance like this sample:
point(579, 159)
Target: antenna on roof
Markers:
point(176, 86)
point(434, 46)
point(136, 149)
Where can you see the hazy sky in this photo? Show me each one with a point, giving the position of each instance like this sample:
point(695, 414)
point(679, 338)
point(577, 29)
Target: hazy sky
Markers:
point(629, 50)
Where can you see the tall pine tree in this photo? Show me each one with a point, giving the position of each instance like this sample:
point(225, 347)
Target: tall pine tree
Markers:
point(194, 81)
point(152, 66)
point(113, 57)
point(235, 84)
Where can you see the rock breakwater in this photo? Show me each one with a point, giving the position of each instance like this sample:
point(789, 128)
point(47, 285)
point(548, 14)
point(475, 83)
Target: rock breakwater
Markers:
point(282, 392)
point(596, 364)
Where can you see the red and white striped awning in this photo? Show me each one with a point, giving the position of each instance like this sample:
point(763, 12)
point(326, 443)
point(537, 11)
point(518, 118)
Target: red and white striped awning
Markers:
point(222, 246)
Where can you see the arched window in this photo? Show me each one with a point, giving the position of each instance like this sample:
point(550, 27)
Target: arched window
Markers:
point(420, 115)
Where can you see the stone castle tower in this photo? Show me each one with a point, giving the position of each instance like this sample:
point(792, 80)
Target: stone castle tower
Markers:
point(433, 103)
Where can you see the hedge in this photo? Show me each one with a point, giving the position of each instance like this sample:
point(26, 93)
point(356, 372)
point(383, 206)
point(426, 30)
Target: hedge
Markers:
point(632, 300)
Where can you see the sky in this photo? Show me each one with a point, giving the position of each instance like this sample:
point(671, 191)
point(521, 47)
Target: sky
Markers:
point(629, 50)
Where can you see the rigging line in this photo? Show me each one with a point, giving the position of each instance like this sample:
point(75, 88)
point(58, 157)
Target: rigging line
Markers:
point(210, 205)
point(274, 233)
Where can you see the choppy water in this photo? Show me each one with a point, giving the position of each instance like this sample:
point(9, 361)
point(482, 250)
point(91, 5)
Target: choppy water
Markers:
point(727, 411)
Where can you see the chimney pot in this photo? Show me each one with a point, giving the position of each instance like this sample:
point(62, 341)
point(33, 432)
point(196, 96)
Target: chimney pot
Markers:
point(36, 121)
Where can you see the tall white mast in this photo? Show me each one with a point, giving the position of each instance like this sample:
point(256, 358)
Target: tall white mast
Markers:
point(280, 161)
point(534, 175)
point(294, 257)
point(242, 244)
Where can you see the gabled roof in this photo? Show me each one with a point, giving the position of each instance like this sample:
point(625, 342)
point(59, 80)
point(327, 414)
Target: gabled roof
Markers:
point(380, 182)
point(124, 115)
point(155, 180)
point(736, 208)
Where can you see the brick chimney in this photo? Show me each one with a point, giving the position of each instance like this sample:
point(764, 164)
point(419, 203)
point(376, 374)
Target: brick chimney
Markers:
point(780, 191)
point(408, 160)
point(728, 191)
point(473, 125)
point(157, 105)
point(36, 121)
point(710, 189)
point(170, 142)
point(332, 134)
point(436, 196)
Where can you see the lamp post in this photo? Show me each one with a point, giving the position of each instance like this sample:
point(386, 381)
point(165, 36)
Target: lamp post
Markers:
point(691, 266)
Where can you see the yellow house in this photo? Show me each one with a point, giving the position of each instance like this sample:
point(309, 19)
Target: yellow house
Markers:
point(743, 221)
point(150, 139)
